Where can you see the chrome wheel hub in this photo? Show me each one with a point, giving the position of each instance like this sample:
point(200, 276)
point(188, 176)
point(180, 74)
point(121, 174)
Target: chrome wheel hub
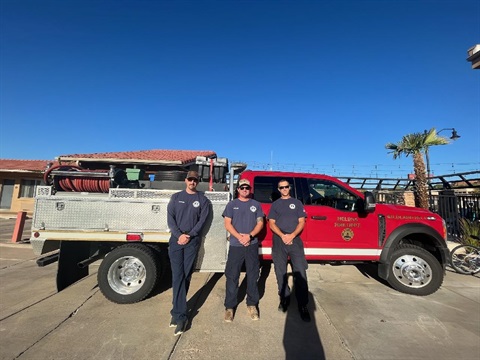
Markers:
point(412, 271)
point(126, 275)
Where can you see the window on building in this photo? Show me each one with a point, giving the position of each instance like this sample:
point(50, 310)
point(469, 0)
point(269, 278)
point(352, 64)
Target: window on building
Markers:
point(27, 188)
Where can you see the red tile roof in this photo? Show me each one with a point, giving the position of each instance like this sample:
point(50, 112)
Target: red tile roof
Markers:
point(11, 165)
point(144, 156)
point(170, 157)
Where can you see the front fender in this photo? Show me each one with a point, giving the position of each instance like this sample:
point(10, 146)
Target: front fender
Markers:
point(414, 231)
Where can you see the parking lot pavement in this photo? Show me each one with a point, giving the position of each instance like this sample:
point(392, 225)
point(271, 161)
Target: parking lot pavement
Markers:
point(79, 323)
point(36, 322)
point(7, 224)
point(377, 322)
point(355, 315)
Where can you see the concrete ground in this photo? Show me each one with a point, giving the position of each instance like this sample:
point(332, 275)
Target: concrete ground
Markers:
point(355, 316)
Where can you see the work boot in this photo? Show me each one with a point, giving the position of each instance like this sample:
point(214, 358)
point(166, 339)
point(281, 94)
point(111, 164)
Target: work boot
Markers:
point(304, 313)
point(181, 327)
point(253, 312)
point(228, 315)
point(173, 323)
point(284, 303)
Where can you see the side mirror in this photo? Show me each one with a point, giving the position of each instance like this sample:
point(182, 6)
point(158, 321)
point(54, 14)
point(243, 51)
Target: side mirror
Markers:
point(369, 203)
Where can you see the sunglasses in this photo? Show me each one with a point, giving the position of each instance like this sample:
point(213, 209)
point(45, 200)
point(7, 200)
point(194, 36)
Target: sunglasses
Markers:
point(244, 187)
point(192, 179)
point(284, 187)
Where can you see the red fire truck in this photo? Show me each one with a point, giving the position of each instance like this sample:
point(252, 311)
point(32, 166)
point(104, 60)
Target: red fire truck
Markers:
point(125, 227)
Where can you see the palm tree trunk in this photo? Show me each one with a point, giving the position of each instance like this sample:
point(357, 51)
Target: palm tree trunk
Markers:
point(421, 193)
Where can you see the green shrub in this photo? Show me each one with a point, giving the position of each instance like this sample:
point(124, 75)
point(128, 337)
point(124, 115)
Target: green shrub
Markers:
point(470, 232)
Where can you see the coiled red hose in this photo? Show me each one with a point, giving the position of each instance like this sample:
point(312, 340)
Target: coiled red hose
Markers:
point(76, 184)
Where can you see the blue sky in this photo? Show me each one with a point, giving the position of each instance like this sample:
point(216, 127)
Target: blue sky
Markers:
point(317, 86)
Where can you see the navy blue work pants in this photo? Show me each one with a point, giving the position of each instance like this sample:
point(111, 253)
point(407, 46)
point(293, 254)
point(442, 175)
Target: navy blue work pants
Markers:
point(237, 255)
point(182, 258)
point(280, 255)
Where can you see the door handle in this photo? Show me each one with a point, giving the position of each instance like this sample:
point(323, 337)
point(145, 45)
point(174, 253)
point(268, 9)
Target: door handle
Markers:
point(319, 217)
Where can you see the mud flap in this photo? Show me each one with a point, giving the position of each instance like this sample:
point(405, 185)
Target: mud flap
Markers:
point(71, 253)
point(383, 271)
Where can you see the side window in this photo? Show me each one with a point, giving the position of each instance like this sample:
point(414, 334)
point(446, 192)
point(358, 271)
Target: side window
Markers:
point(265, 188)
point(301, 189)
point(326, 193)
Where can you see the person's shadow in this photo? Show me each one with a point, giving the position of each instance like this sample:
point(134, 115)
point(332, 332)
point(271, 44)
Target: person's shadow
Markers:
point(301, 339)
point(195, 302)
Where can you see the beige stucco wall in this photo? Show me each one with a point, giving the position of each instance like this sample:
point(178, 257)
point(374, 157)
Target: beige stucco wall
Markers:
point(409, 198)
point(18, 204)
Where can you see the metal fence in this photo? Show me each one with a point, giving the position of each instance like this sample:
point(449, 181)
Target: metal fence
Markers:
point(390, 197)
point(453, 207)
point(450, 206)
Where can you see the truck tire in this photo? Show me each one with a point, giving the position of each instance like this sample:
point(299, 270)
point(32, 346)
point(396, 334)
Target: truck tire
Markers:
point(128, 273)
point(415, 271)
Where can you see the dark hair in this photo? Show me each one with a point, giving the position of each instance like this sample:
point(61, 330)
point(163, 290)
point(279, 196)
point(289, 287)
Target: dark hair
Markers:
point(283, 180)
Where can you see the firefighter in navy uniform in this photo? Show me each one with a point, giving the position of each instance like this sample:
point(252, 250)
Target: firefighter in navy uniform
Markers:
point(243, 219)
point(187, 212)
point(287, 220)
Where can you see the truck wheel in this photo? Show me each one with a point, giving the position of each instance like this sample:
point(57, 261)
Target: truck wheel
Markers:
point(128, 274)
point(414, 270)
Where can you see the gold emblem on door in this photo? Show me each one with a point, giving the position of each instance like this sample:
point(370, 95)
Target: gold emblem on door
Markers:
point(347, 234)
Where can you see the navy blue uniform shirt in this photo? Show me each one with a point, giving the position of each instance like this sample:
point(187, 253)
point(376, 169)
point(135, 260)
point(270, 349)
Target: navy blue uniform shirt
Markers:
point(187, 213)
point(286, 213)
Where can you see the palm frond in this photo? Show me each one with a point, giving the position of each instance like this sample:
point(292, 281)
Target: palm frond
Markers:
point(432, 139)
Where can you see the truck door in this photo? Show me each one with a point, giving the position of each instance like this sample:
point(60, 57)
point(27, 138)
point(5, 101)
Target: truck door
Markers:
point(335, 228)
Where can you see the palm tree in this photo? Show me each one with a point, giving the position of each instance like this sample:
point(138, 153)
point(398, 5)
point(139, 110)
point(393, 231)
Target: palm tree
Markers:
point(417, 144)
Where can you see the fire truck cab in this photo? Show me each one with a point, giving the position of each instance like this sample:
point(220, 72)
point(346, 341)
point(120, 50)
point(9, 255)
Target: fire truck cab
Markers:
point(345, 225)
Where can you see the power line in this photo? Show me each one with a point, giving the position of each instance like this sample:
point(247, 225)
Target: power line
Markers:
point(364, 170)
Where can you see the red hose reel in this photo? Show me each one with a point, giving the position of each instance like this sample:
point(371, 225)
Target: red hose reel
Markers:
point(73, 178)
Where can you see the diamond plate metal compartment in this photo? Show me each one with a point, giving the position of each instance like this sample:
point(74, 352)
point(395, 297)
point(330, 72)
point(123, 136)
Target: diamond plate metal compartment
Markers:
point(212, 254)
point(121, 209)
point(218, 197)
point(93, 212)
point(141, 194)
point(128, 210)
point(37, 246)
